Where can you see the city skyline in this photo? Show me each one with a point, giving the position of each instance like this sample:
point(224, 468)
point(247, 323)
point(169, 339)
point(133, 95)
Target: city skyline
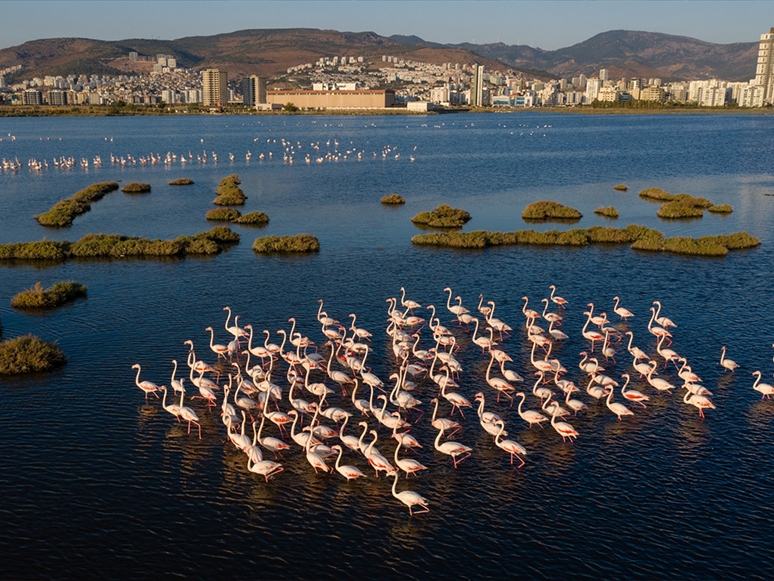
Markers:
point(547, 25)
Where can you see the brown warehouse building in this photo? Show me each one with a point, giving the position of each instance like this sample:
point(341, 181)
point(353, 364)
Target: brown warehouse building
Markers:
point(358, 99)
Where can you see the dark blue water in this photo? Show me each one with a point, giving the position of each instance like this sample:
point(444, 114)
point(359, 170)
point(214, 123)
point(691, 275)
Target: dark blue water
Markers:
point(95, 482)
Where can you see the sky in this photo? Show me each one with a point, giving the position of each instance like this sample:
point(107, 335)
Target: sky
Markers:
point(547, 24)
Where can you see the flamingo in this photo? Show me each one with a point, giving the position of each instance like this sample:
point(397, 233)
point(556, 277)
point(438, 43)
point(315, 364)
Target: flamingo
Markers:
point(551, 317)
point(360, 404)
point(270, 443)
point(406, 464)
point(453, 449)
point(663, 321)
point(513, 448)
point(541, 392)
point(564, 429)
point(540, 364)
point(314, 459)
point(607, 350)
point(556, 333)
point(633, 394)
point(176, 385)
point(635, 352)
point(497, 324)
point(656, 330)
point(443, 423)
point(764, 389)
point(347, 471)
point(172, 408)
point(455, 399)
point(686, 373)
point(657, 382)
point(623, 313)
point(700, 402)
point(350, 442)
point(618, 409)
point(487, 419)
point(553, 408)
point(265, 468)
point(147, 386)
point(558, 300)
point(258, 351)
point(667, 354)
point(219, 350)
point(236, 330)
point(575, 405)
point(530, 416)
point(594, 391)
point(375, 458)
point(482, 342)
point(529, 313)
point(408, 303)
point(498, 384)
point(456, 310)
point(484, 310)
point(592, 336)
point(591, 367)
point(408, 497)
point(728, 364)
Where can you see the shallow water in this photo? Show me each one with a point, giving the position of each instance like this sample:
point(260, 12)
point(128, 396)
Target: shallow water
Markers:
point(96, 482)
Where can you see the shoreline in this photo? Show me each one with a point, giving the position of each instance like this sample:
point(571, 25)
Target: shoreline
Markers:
point(12, 111)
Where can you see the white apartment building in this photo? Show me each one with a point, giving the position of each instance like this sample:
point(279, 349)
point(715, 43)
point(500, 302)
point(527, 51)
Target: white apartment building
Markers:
point(214, 88)
point(764, 72)
point(592, 90)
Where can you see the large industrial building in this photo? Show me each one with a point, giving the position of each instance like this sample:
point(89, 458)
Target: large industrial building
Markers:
point(357, 99)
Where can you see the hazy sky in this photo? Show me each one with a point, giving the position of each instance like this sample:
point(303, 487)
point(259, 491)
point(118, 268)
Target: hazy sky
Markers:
point(545, 24)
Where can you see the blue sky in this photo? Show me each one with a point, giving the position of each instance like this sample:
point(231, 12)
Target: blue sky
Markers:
point(546, 24)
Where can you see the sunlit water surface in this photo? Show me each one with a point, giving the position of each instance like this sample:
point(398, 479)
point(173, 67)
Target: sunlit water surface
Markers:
point(96, 482)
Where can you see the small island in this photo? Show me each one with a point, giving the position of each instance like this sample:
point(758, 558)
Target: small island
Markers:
point(548, 211)
point(29, 354)
point(621, 187)
point(181, 182)
point(39, 298)
point(442, 217)
point(223, 215)
point(393, 199)
point(640, 238)
point(136, 188)
point(721, 209)
point(607, 212)
point(298, 243)
point(117, 246)
point(65, 211)
point(229, 193)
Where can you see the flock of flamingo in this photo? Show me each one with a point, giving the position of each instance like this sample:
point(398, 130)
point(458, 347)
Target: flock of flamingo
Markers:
point(330, 150)
point(251, 396)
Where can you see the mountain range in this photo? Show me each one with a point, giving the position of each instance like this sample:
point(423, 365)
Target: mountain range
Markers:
point(272, 51)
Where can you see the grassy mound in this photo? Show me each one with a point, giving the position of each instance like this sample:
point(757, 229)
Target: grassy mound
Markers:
point(721, 209)
point(117, 246)
point(393, 199)
point(29, 354)
point(621, 187)
point(181, 182)
point(136, 188)
point(692, 201)
point(548, 210)
point(39, 298)
point(229, 193)
point(253, 219)
point(223, 215)
point(675, 210)
point(442, 217)
point(65, 211)
point(640, 237)
point(282, 244)
point(608, 212)
point(656, 194)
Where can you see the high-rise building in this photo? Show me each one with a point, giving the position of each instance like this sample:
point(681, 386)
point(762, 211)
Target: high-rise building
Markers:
point(477, 86)
point(604, 75)
point(253, 91)
point(214, 88)
point(592, 90)
point(764, 72)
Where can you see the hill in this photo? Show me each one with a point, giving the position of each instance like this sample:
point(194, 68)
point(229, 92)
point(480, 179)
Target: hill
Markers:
point(245, 52)
point(627, 54)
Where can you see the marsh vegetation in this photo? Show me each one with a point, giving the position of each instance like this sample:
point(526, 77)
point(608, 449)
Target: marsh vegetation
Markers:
point(29, 354)
point(286, 244)
point(65, 211)
point(37, 297)
point(548, 210)
point(443, 216)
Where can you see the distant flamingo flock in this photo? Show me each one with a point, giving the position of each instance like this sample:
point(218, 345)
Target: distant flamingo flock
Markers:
point(253, 400)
